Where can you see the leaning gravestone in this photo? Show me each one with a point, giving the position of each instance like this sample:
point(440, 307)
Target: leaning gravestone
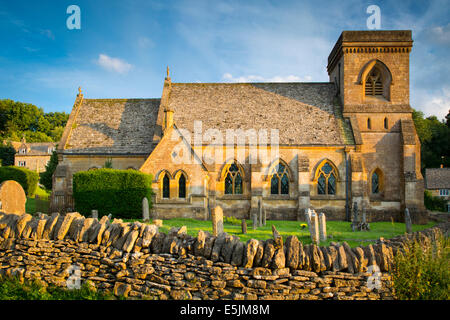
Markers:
point(217, 221)
point(244, 226)
point(12, 197)
point(145, 210)
point(322, 227)
point(408, 223)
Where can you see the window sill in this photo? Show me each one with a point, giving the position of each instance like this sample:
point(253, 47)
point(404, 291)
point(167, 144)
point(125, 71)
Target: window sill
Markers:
point(173, 200)
point(233, 197)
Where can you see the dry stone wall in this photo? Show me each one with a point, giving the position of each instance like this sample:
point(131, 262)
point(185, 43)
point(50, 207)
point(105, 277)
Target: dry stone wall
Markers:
point(135, 260)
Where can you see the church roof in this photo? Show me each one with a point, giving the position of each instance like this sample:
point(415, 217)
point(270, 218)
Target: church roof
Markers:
point(304, 113)
point(437, 178)
point(113, 126)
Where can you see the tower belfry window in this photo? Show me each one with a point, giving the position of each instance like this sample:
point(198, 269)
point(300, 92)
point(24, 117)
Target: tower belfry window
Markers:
point(374, 83)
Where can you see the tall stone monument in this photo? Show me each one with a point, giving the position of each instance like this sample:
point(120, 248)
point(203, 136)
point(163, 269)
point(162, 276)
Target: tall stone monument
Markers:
point(145, 210)
point(217, 221)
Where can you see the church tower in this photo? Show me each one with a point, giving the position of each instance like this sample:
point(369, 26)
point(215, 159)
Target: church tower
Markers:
point(371, 72)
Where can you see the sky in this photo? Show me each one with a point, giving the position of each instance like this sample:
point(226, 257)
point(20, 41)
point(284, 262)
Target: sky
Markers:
point(123, 47)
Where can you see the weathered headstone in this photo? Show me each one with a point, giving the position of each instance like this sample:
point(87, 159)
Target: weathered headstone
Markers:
point(217, 221)
point(355, 216)
point(408, 223)
point(260, 213)
point(244, 226)
point(109, 216)
point(12, 197)
point(145, 210)
point(322, 227)
point(315, 227)
point(94, 214)
point(264, 216)
point(255, 220)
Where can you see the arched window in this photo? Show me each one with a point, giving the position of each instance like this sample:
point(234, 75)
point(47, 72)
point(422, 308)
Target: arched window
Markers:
point(374, 83)
point(166, 186)
point(233, 179)
point(326, 179)
point(386, 124)
point(279, 183)
point(182, 186)
point(376, 181)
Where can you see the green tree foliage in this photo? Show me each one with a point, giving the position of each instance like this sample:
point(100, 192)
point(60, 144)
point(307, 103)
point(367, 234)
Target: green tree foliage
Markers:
point(19, 118)
point(7, 153)
point(46, 176)
point(119, 192)
point(28, 179)
point(434, 137)
point(434, 203)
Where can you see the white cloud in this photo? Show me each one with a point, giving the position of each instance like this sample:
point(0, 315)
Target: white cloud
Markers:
point(433, 103)
point(252, 78)
point(144, 42)
point(439, 35)
point(113, 64)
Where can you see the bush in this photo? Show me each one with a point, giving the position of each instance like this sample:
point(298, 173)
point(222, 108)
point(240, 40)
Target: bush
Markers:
point(119, 192)
point(434, 203)
point(47, 175)
point(421, 273)
point(28, 179)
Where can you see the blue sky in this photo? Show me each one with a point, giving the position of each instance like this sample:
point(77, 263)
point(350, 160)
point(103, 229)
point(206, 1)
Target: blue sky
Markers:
point(123, 47)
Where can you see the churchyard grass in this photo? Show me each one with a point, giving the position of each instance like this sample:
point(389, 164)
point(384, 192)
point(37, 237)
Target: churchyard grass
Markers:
point(337, 231)
point(33, 205)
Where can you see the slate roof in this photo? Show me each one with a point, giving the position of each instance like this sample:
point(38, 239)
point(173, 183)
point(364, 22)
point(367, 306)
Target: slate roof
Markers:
point(437, 178)
point(304, 113)
point(113, 126)
point(37, 148)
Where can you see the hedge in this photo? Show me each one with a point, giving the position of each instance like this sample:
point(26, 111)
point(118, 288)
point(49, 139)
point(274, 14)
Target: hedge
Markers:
point(111, 191)
point(434, 203)
point(28, 179)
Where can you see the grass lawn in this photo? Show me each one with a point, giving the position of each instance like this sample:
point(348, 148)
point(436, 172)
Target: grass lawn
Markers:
point(32, 205)
point(337, 231)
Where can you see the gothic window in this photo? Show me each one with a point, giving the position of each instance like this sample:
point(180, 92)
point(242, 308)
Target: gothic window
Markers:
point(279, 183)
point(166, 186)
point(182, 186)
point(326, 179)
point(374, 83)
point(376, 181)
point(233, 179)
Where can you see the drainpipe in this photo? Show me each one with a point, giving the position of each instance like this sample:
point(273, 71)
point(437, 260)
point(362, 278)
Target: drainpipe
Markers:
point(347, 207)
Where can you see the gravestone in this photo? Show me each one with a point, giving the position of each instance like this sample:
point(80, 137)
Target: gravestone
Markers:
point(264, 216)
point(145, 210)
point(12, 197)
point(260, 213)
point(255, 220)
point(244, 226)
point(94, 214)
point(355, 217)
point(408, 222)
point(322, 227)
point(217, 221)
point(315, 227)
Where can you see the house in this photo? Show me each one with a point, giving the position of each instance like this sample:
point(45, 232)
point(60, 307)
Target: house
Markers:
point(437, 181)
point(279, 147)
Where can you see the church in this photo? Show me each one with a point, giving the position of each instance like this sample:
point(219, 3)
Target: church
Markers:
point(277, 147)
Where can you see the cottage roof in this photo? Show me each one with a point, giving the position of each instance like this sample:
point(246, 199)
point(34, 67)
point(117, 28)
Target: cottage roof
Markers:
point(437, 178)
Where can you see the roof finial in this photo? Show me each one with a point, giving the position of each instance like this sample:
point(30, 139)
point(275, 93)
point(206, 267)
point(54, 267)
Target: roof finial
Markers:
point(79, 90)
point(167, 73)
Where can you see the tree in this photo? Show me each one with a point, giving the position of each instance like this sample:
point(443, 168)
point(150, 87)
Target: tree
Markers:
point(7, 155)
point(434, 137)
point(46, 176)
point(447, 117)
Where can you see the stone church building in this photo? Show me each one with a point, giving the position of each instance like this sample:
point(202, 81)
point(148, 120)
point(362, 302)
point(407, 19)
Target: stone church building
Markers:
point(329, 145)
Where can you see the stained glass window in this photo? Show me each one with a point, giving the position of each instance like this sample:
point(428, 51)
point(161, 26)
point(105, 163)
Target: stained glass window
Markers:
point(233, 180)
point(166, 186)
point(327, 178)
point(182, 186)
point(375, 183)
point(279, 183)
